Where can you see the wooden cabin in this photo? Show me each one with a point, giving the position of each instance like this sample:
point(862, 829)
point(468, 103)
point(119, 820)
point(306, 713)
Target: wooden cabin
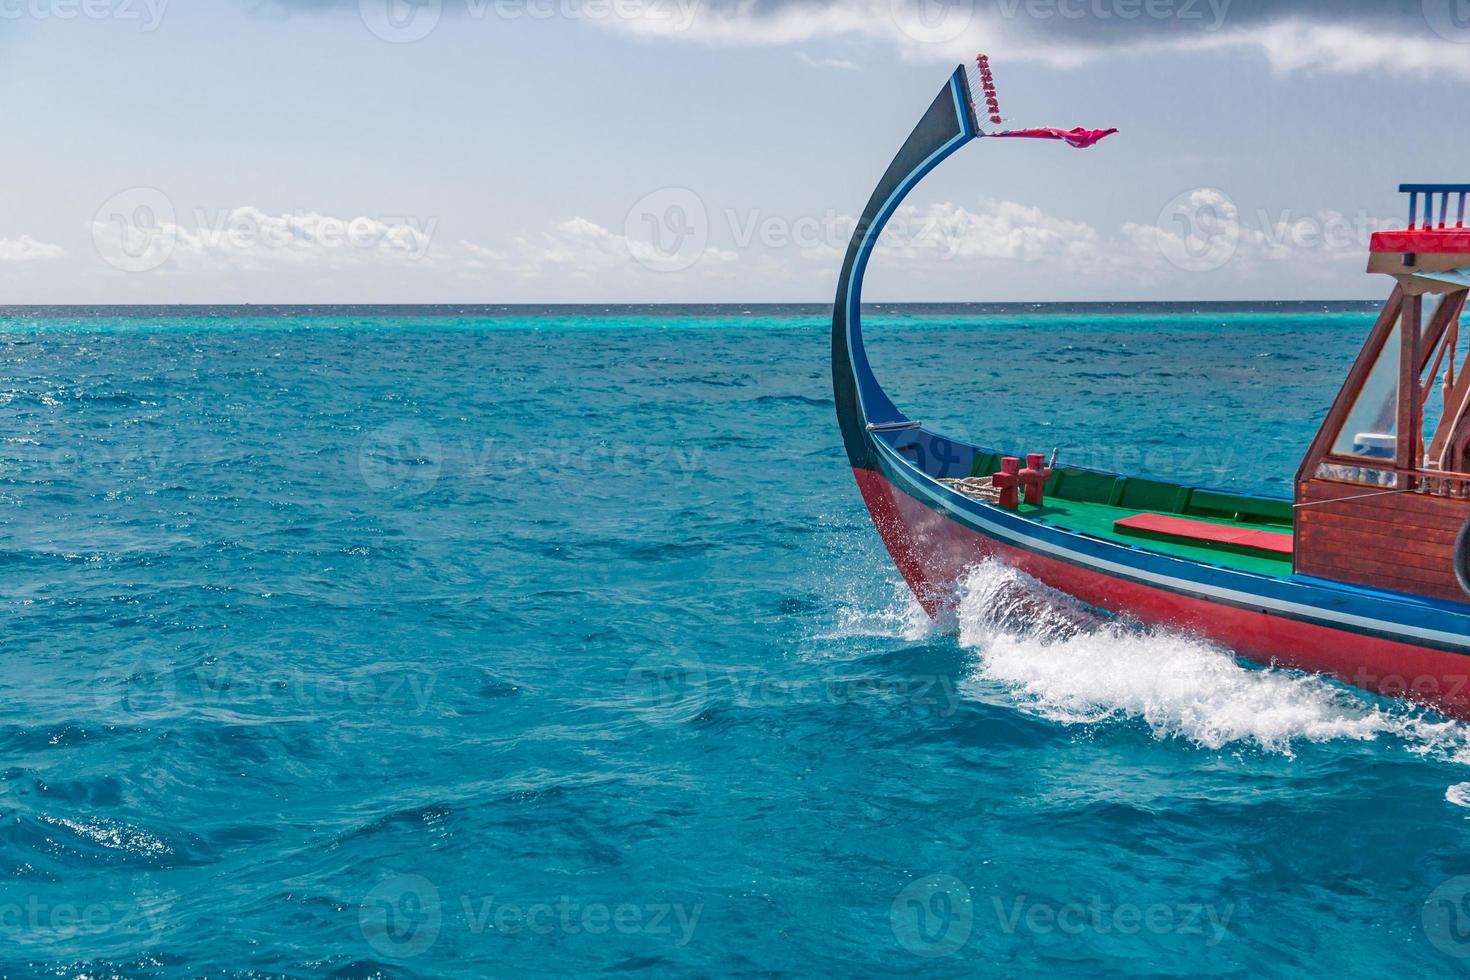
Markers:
point(1384, 491)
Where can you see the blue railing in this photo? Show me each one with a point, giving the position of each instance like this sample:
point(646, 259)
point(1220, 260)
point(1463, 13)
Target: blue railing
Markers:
point(1429, 191)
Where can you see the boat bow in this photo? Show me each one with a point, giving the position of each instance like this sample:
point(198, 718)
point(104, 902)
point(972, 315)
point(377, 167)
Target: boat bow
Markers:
point(948, 124)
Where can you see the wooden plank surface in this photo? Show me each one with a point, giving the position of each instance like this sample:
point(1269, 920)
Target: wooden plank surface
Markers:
point(1400, 541)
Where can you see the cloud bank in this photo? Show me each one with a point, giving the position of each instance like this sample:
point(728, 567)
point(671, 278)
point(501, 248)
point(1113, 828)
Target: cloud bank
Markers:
point(1419, 38)
point(671, 247)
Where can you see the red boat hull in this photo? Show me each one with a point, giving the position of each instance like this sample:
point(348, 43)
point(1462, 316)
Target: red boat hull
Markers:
point(933, 551)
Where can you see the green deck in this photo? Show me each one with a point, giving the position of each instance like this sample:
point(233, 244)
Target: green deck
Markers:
point(1089, 502)
point(1097, 520)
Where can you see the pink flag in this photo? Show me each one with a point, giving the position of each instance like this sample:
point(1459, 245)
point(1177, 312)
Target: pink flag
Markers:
point(1078, 137)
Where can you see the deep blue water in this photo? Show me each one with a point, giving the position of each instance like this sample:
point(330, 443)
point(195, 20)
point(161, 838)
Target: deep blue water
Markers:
point(509, 642)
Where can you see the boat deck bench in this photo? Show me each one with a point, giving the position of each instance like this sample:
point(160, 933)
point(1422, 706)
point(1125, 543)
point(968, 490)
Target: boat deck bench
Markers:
point(1225, 536)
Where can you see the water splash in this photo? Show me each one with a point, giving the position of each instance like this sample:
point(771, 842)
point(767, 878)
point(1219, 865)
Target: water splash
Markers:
point(1059, 660)
point(901, 617)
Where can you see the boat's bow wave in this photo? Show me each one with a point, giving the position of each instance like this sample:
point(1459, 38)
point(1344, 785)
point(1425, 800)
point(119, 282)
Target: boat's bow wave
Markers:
point(1047, 655)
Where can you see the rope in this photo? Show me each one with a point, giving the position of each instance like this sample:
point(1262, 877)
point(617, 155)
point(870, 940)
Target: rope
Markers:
point(1359, 496)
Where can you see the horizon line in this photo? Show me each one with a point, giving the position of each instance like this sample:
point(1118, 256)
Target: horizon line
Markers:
point(821, 304)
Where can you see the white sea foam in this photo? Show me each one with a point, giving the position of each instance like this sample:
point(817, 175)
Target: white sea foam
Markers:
point(1458, 794)
point(901, 617)
point(1056, 659)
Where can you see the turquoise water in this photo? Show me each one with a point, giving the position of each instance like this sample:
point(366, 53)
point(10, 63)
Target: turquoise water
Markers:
point(558, 642)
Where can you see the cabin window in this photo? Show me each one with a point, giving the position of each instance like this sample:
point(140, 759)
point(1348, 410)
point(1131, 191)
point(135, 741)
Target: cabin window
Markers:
point(1404, 426)
point(1371, 430)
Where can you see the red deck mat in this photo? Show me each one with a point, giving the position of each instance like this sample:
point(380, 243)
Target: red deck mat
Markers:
point(1186, 530)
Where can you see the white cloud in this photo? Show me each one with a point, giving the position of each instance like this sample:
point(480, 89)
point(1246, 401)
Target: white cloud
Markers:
point(583, 248)
point(1345, 49)
point(841, 64)
point(1202, 230)
point(248, 237)
point(745, 24)
point(997, 230)
point(1056, 34)
point(479, 257)
point(1199, 232)
point(27, 249)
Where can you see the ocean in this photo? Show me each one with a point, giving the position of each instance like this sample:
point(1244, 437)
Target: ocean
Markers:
point(524, 642)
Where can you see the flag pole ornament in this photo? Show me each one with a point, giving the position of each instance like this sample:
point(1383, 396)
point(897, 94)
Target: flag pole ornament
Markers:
point(1077, 136)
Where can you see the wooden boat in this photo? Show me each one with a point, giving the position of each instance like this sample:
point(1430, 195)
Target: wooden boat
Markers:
point(1362, 576)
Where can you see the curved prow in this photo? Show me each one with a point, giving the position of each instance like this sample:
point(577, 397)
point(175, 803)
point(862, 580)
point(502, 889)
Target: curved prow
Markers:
point(948, 125)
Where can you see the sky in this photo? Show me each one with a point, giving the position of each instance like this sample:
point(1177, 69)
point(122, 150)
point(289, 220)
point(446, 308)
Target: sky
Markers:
point(586, 151)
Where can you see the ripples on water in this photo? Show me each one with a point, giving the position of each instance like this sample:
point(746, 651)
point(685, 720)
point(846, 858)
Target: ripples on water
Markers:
point(534, 645)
